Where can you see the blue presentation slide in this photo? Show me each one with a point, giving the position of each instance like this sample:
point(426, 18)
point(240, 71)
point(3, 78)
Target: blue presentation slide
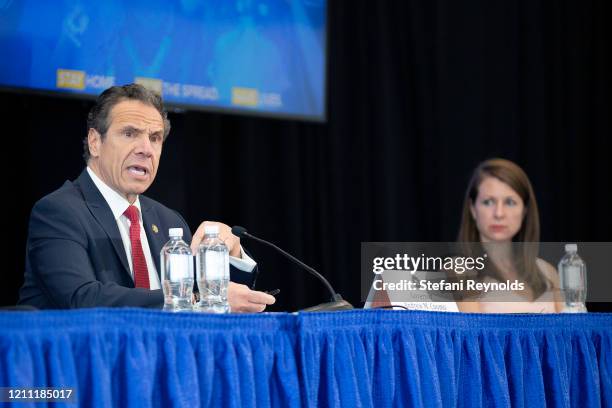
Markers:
point(263, 56)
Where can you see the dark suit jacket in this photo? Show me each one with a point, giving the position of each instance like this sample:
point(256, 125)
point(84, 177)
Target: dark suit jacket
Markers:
point(75, 256)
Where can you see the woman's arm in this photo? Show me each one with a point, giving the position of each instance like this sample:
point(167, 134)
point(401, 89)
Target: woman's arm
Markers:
point(468, 306)
point(550, 272)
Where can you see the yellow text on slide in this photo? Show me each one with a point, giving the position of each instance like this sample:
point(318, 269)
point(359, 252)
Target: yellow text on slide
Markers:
point(151, 84)
point(70, 79)
point(245, 96)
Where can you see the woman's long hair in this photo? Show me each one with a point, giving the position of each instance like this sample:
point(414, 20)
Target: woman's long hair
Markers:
point(529, 233)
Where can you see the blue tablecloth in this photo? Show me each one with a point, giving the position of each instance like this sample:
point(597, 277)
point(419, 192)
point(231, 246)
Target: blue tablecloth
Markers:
point(135, 357)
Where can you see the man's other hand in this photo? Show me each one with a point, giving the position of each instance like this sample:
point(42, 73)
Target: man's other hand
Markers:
point(225, 234)
point(244, 300)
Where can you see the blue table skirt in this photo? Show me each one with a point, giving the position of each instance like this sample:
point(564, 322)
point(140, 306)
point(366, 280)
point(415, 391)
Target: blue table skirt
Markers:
point(136, 357)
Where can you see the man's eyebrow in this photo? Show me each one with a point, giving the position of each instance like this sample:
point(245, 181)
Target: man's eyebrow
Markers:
point(131, 128)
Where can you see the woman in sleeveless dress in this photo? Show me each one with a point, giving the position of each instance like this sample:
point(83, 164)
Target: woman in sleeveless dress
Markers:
point(500, 218)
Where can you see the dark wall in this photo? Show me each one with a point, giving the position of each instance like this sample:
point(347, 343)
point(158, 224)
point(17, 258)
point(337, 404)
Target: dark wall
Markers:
point(418, 93)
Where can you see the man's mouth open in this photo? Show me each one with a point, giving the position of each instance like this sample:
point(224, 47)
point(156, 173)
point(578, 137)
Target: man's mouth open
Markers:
point(138, 171)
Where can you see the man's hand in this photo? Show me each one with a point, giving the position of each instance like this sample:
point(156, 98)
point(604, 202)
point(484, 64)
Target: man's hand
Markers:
point(225, 234)
point(244, 300)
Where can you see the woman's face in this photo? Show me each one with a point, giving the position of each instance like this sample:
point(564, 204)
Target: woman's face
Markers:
point(498, 211)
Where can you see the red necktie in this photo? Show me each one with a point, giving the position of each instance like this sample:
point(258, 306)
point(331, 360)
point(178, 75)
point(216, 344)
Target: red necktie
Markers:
point(139, 264)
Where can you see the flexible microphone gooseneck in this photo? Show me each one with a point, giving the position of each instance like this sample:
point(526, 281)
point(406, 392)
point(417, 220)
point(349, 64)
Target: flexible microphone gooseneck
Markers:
point(337, 303)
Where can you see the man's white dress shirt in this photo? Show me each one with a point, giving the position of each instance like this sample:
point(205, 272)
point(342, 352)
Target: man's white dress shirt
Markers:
point(118, 204)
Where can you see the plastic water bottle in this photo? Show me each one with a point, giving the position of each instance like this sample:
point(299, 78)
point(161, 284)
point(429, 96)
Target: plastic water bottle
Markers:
point(212, 272)
point(177, 272)
point(572, 272)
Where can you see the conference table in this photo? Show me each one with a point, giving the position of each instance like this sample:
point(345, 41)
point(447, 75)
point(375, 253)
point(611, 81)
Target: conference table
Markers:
point(360, 358)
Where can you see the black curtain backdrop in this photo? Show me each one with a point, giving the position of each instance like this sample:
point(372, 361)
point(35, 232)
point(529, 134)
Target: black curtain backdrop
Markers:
point(419, 92)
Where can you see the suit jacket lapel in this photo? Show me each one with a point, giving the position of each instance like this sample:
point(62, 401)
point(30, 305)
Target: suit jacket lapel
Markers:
point(152, 226)
point(103, 214)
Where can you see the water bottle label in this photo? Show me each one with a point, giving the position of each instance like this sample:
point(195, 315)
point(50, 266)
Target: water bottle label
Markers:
point(573, 277)
point(178, 266)
point(215, 265)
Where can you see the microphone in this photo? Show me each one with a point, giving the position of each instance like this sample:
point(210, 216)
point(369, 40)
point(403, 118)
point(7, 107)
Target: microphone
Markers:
point(336, 303)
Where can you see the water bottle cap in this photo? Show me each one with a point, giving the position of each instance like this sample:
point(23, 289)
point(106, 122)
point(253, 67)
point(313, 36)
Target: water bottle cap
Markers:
point(211, 229)
point(571, 248)
point(175, 232)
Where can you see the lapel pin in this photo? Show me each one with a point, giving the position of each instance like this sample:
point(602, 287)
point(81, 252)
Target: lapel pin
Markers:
point(155, 229)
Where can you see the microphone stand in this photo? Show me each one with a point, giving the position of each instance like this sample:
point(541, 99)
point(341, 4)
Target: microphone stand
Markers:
point(337, 303)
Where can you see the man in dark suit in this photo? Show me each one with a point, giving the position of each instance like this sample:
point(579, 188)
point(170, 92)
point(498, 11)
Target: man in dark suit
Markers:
point(96, 241)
